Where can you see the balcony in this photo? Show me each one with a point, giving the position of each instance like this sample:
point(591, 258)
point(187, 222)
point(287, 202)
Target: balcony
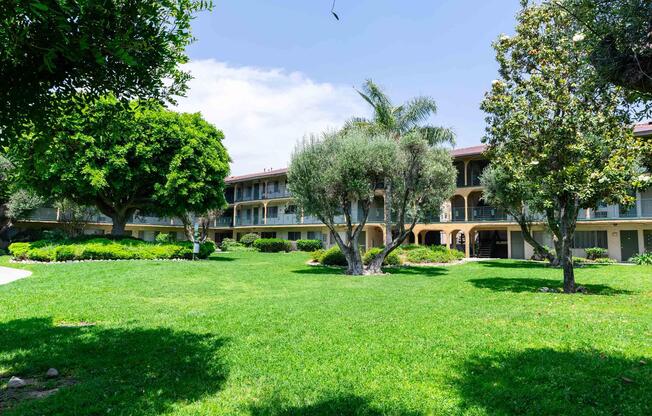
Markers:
point(458, 214)
point(487, 214)
point(283, 193)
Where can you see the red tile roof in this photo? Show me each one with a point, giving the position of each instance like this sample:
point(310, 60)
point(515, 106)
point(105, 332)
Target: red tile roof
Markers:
point(643, 129)
point(469, 151)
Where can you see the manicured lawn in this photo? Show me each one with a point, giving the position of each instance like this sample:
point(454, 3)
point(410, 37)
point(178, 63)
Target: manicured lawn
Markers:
point(264, 334)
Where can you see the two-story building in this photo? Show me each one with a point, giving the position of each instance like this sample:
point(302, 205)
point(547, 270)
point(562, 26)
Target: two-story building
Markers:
point(261, 203)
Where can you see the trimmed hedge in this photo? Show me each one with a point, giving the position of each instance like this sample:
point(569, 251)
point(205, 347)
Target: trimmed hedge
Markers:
point(106, 249)
point(272, 245)
point(434, 254)
point(248, 239)
point(333, 257)
point(594, 253)
point(392, 259)
point(309, 245)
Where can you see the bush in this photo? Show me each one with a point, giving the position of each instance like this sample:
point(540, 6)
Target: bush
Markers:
point(434, 254)
point(392, 259)
point(165, 238)
point(604, 260)
point(272, 245)
point(409, 247)
point(596, 253)
point(106, 249)
point(580, 260)
point(640, 259)
point(309, 245)
point(228, 244)
point(333, 257)
point(19, 250)
point(248, 239)
point(317, 255)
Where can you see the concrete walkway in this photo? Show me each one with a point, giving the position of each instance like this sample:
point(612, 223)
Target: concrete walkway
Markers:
point(8, 275)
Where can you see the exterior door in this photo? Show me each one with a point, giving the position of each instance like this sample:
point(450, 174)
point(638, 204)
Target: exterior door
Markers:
point(256, 215)
point(628, 244)
point(518, 245)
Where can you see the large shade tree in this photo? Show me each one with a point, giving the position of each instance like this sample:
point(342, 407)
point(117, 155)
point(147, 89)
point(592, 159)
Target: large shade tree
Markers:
point(397, 121)
point(554, 127)
point(142, 158)
point(129, 48)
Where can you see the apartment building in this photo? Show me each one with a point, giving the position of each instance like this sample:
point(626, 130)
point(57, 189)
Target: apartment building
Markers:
point(261, 203)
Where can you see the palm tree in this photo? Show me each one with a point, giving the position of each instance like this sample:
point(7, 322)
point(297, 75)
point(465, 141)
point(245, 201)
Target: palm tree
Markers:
point(397, 121)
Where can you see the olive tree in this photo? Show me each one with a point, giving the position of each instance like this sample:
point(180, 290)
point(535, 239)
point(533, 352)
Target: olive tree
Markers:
point(329, 175)
point(555, 127)
point(423, 178)
point(142, 158)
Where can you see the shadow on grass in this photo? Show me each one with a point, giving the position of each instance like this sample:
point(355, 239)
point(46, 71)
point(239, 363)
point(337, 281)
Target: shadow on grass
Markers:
point(340, 405)
point(121, 371)
point(220, 257)
point(422, 271)
point(519, 285)
point(524, 264)
point(549, 382)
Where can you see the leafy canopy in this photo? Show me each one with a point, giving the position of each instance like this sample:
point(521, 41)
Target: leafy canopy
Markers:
point(119, 159)
point(129, 48)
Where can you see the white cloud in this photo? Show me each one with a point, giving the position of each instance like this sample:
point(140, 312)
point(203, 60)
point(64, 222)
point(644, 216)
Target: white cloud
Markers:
point(264, 112)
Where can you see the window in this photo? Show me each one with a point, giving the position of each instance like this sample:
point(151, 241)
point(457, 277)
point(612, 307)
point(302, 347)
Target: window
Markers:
point(312, 235)
point(277, 186)
point(294, 235)
point(268, 234)
point(291, 209)
point(272, 212)
point(588, 239)
point(248, 214)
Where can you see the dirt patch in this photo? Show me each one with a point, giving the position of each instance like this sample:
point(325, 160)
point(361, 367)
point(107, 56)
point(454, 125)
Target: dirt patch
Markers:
point(34, 389)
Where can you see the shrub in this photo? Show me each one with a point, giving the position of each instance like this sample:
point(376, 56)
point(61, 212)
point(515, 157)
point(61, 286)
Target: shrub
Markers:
point(105, 249)
point(165, 238)
point(272, 245)
point(596, 253)
point(317, 255)
point(434, 254)
point(605, 260)
point(640, 259)
point(19, 250)
point(248, 239)
point(409, 247)
point(309, 245)
point(580, 260)
point(228, 244)
point(333, 257)
point(392, 259)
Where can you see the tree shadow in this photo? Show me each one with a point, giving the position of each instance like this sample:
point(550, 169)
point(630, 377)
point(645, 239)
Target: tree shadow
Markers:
point(220, 257)
point(548, 382)
point(513, 264)
point(348, 405)
point(520, 285)
point(121, 371)
point(429, 271)
point(321, 270)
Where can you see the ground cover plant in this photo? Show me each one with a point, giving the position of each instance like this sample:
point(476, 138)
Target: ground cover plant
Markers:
point(431, 254)
point(250, 333)
point(106, 249)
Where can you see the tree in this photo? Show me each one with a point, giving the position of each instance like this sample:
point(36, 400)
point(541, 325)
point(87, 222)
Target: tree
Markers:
point(128, 48)
point(15, 203)
point(143, 158)
point(422, 178)
point(396, 121)
point(74, 217)
point(204, 222)
point(501, 190)
point(556, 128)
point(618, 34)
point(328, 176)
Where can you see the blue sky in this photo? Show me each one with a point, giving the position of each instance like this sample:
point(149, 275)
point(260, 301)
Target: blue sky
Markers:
point(270, 71)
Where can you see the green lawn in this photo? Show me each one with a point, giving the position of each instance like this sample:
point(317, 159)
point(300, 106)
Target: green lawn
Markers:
point(264, 334)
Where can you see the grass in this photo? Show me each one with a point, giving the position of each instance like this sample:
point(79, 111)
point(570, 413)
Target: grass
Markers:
point(263, 334)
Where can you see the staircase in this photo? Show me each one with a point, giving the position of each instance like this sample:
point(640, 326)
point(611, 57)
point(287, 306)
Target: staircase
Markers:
point(484, 249)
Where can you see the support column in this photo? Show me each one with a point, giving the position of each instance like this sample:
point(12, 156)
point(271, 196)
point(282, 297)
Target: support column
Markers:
point(466, 173)
point(235, 214)
point(639, 205)
point(509, 244)
point(467, 244)
point(450, 241)
point(588, 213)
point(265, 212)
point(416, 237)
point(466, 208)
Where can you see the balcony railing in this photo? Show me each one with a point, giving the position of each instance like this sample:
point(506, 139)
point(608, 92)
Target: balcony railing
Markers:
point(284, 193)
point(646, 208)
point(487, 214)
point(458, 214)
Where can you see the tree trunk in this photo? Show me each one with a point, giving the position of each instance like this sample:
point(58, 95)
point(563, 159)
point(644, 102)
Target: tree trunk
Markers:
point(388, 212)
point(566, 257)
point(538, 248)
point(119, 223)
point(376, 264)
